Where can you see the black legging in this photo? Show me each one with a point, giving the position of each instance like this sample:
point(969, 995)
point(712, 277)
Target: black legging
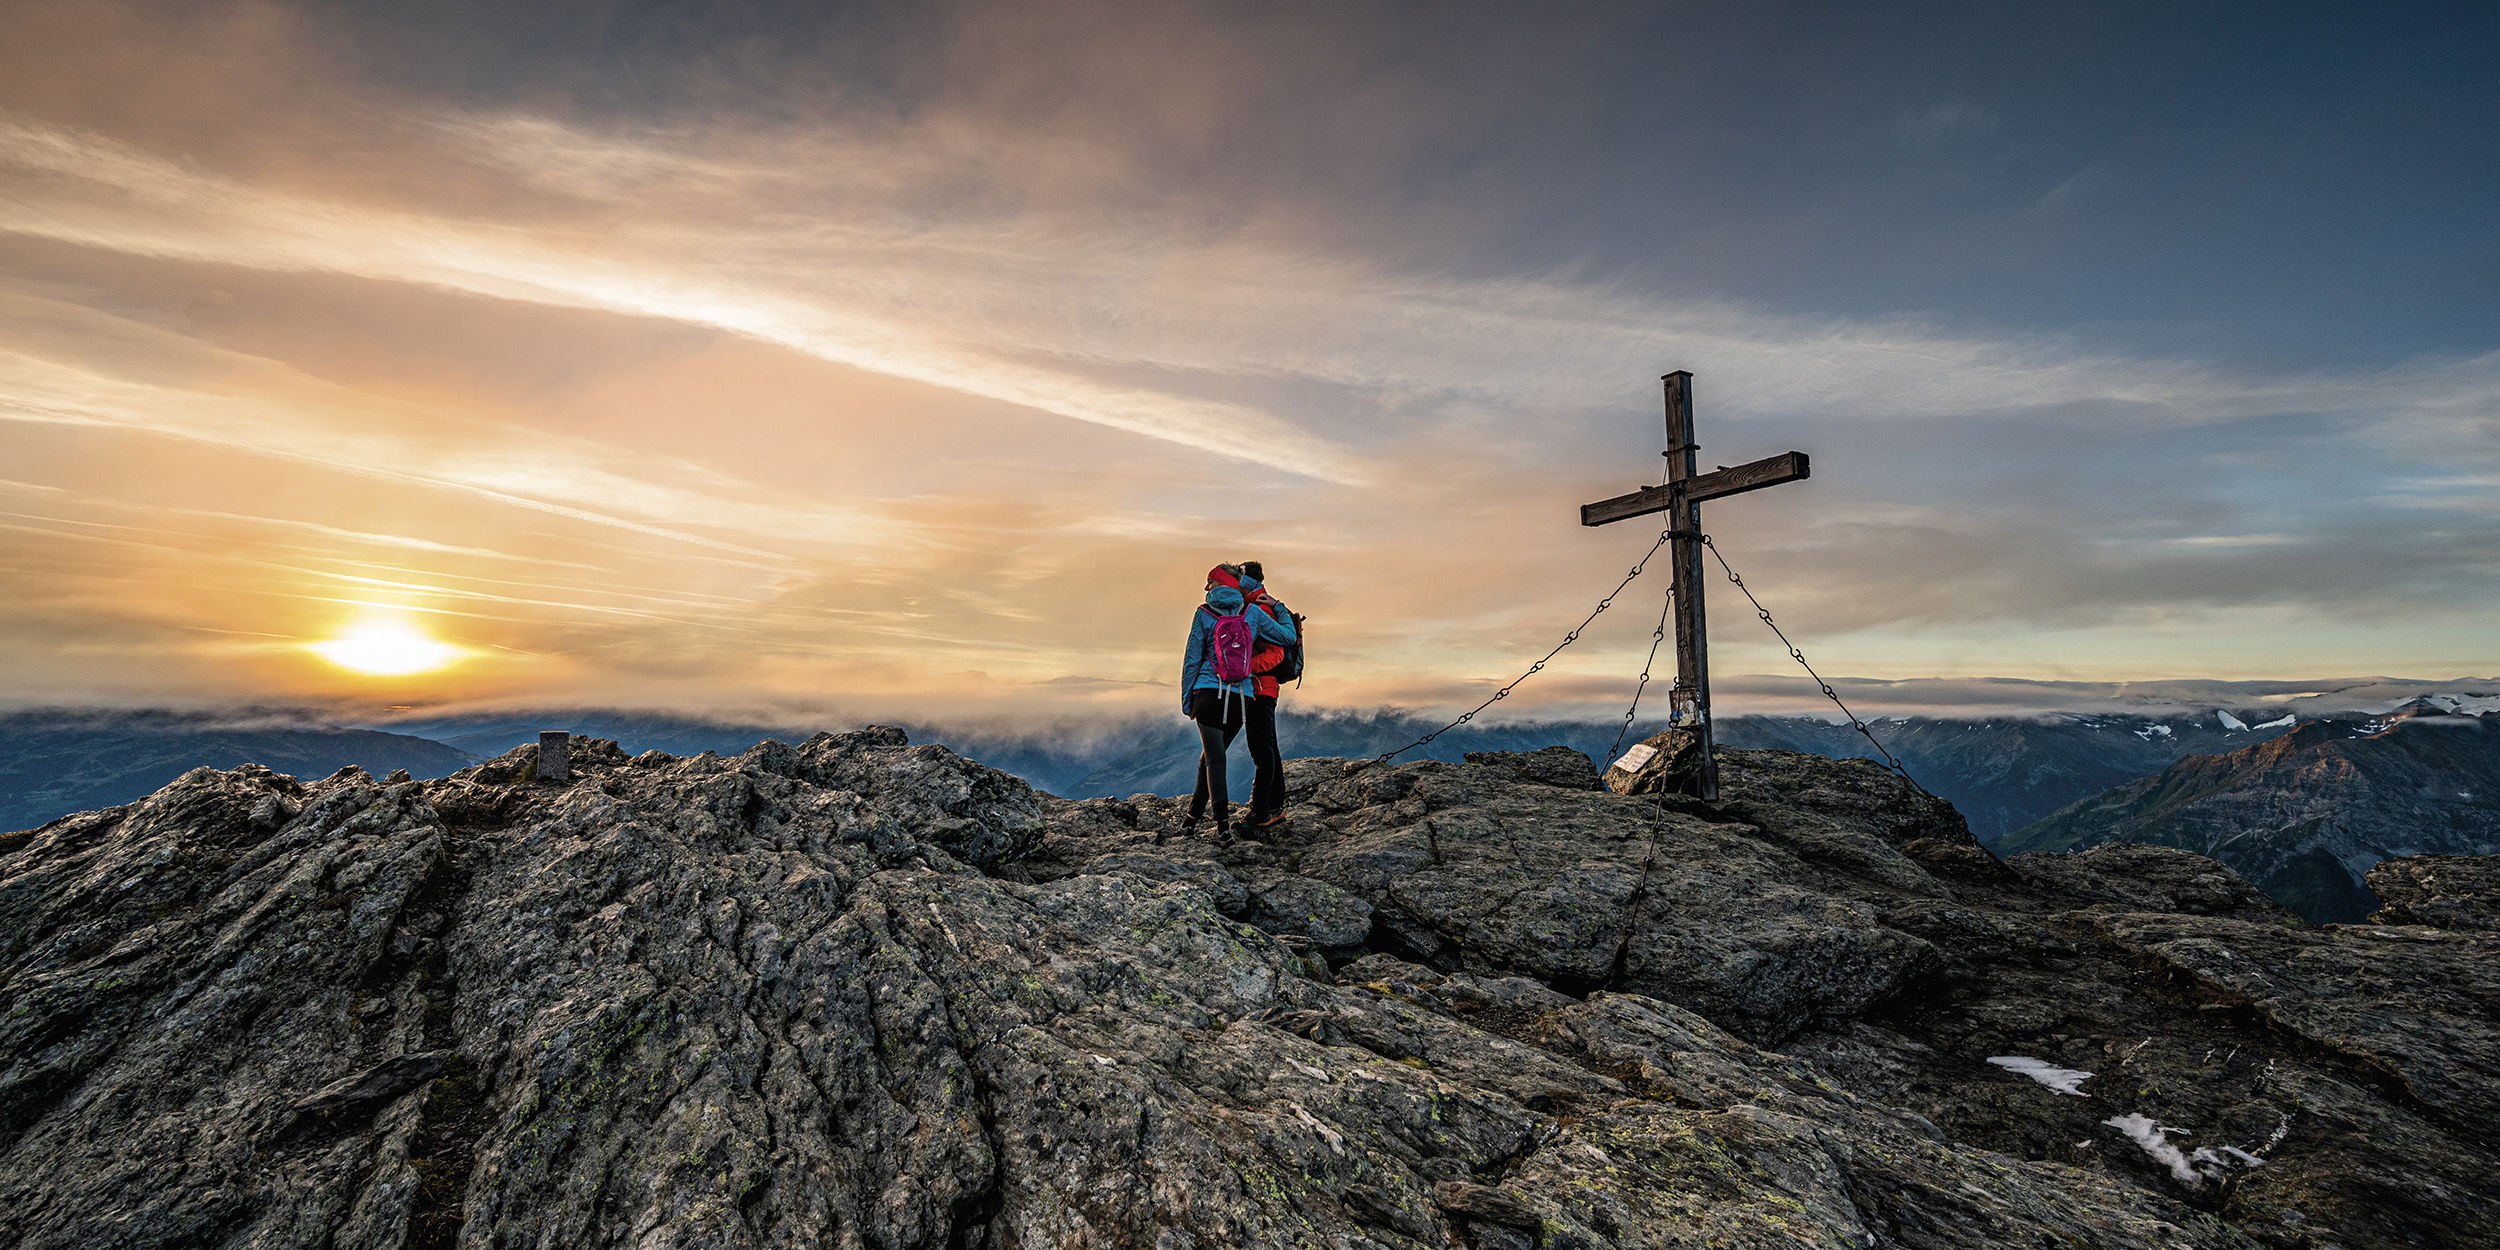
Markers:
point(1267, 789)
point(1219, 717)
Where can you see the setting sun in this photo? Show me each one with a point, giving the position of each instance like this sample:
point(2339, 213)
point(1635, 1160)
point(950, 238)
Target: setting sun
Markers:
point(386, 648)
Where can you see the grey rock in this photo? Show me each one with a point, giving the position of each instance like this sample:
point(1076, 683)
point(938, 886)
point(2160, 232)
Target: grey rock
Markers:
point(2131, 876)
point(2412, 1004)
point(2442, 891)
point(982, 816)
point(1230, 895)
point(2003, 960)
point(178, 975)
point(1552, 766)
point(1468, 868)
point(381, 1083)
point(1312, 909)
point(847, 993)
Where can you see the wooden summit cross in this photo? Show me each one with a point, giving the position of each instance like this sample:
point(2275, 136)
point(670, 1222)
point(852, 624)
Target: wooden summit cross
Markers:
point(1682, 497)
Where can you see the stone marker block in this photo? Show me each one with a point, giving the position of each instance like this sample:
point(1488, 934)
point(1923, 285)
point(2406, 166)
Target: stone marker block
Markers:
point(555, 756)
point(1669, 760)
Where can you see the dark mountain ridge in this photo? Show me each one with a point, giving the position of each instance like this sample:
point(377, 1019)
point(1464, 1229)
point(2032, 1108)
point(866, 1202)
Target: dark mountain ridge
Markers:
point(2004, 771)
point(58, 761)
point(2307, 815)
point(860, 993)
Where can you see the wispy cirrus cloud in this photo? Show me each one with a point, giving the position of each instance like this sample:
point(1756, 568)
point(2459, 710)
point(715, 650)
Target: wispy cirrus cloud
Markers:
point(1018, 310)
point(240, 402)
point(849, 305)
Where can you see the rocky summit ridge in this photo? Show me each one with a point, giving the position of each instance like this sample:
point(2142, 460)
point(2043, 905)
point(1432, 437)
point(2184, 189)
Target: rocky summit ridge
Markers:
point(859, 993)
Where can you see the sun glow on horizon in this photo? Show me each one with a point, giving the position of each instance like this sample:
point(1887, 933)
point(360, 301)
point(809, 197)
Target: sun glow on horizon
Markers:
point(386, 647)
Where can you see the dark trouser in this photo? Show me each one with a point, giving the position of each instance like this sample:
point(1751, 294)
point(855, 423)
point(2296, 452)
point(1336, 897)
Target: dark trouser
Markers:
point(1267, 791)
point(1219, 717)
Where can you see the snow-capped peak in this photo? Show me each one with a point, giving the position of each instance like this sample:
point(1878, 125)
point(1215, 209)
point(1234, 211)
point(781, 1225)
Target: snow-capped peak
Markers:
point(2230, 723)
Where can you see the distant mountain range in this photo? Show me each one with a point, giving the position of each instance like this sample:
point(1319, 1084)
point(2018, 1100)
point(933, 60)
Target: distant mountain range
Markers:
point(2304, 812)
point(2002, 772)
point(56, 762)
point(2307, 814)
point(2005, 772)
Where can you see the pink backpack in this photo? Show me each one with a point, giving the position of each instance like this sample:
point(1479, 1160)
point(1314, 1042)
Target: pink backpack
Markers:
point(1233, 642)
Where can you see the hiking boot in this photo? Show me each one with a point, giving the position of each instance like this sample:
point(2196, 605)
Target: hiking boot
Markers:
point(1269, 821)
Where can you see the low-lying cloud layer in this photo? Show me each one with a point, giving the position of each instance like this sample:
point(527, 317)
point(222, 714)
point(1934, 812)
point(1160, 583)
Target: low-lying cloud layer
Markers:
point(901, 402)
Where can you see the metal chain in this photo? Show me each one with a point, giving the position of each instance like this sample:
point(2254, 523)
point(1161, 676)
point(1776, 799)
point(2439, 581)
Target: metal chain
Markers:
point(1800, 657)
point(1539, 666)
point(1656, 637)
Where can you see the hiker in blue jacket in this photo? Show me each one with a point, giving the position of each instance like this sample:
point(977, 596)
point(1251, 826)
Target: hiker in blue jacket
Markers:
point(1220, 707)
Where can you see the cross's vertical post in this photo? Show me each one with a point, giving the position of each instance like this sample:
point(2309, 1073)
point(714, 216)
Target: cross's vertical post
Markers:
point(1691, 697)
point(1681, 497)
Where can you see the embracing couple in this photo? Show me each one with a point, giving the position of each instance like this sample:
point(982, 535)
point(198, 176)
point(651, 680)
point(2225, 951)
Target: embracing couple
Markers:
point(1242, 645)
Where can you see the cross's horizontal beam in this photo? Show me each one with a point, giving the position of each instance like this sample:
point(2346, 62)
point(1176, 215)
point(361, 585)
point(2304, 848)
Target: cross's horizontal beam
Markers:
point(1788, 466)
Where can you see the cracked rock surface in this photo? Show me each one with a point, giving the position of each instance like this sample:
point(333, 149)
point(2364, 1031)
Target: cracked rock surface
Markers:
point(856, 993)
point(2441, 891)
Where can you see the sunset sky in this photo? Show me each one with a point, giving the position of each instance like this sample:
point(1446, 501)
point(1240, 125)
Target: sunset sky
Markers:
point(918, 359)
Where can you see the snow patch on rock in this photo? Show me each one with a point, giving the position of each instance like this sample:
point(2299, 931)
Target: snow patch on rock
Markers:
point(2192, 1169)
point(2060, 1080)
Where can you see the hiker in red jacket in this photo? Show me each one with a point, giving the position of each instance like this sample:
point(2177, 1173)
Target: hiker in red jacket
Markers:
point(1217, 688)
point(1267, 788)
